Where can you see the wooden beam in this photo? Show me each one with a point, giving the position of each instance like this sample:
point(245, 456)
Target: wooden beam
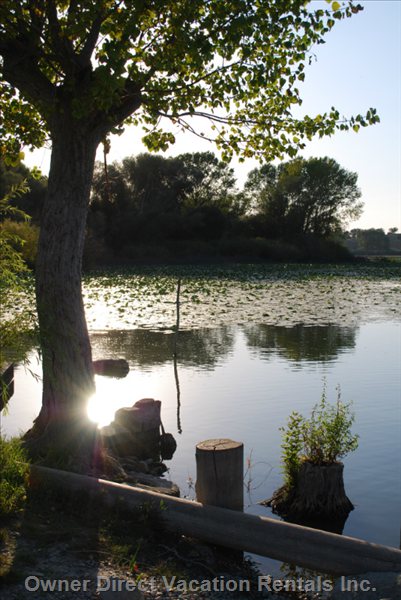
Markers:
point(310, 548)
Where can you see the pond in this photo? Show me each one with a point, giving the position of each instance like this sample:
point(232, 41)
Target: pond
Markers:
point(253, 346)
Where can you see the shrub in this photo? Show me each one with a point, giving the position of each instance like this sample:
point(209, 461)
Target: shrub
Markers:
point(13, 476)
point(24, 238)
point(322, 439)
point(16, 320)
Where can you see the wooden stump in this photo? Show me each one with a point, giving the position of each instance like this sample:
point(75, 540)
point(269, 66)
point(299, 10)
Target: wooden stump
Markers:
point(135, 430)
point(219, 476)
point(220, 482)
point(319, 494)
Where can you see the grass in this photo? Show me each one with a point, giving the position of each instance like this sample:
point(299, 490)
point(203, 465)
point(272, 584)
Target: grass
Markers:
point(65, 535)
point(13, 477)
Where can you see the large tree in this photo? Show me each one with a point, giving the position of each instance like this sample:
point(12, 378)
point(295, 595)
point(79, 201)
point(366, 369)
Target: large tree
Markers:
point(73, 71)
point(152, 198)
point(305, 196)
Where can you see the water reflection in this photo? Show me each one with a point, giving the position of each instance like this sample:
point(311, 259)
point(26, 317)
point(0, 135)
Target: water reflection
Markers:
point(178, 392)
point(205, 348)
point(202, 348)
point(300, 343)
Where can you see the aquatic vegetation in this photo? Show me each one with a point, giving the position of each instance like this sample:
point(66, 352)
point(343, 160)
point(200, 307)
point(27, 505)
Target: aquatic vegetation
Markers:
point(282, 294)
point(213, 295)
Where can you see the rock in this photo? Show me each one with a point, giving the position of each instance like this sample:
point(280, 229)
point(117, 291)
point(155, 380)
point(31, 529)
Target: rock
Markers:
point(157, 468)
point(134, 464)
point(157, 484)
point(111, 367)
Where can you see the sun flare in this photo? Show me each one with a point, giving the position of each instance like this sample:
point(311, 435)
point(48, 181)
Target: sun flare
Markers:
point(112, 394)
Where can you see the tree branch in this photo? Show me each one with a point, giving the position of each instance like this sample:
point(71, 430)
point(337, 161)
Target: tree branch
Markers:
point(20, 69)
point(85, 54)
point(62, 46)
point(37, 21)
point(130, 101)
point(71, 12)
point(205, 76)
point(228, 120)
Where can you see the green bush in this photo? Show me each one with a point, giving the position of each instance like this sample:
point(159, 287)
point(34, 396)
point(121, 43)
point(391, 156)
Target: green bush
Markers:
point(13, 476)
point(16, 319)
point(24, 238)
point(322, 439)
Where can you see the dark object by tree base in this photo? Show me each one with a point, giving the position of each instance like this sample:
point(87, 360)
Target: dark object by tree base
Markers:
point(6, 384)
point(168, 446)
point(318, 497)
point(110, 367)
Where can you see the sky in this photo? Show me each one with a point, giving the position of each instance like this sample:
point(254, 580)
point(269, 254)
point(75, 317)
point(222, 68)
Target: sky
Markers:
point(358, 67)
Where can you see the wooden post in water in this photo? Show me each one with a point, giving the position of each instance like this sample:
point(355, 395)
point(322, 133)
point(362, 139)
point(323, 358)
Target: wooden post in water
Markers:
point(220, 481)
point(220, 473)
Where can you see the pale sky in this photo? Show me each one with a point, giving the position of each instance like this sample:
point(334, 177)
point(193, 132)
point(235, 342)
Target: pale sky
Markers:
point(359, 67)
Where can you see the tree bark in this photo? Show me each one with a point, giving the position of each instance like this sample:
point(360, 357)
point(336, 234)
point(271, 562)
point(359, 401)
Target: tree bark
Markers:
point(68, 376)
point(318, 498)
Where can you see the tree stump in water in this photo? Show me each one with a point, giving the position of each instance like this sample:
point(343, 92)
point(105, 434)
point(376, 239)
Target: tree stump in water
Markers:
point(219, 473)
point(318, 494)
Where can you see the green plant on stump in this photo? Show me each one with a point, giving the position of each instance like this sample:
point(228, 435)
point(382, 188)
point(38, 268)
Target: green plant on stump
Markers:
point(13, 476)
point(292, 446)
point(327, 435)
point(323, 439)
point(311, 452)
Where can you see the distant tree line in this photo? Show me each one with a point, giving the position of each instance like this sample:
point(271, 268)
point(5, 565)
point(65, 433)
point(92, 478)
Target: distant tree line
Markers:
point(189, 207)
point(373, 241)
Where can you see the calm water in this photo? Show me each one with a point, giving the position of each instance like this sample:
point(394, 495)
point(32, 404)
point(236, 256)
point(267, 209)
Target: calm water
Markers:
point(242, 382)
point(268, 348)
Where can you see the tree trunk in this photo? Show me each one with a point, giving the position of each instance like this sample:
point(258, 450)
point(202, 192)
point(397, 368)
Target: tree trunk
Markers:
point(68, 377)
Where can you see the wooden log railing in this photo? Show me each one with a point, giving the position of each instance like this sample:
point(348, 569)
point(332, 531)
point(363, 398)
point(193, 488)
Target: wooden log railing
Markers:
point(310, 548)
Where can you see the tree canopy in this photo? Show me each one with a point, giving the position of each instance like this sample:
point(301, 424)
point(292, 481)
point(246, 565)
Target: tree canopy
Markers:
point(74, 71)
point(235, 62)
